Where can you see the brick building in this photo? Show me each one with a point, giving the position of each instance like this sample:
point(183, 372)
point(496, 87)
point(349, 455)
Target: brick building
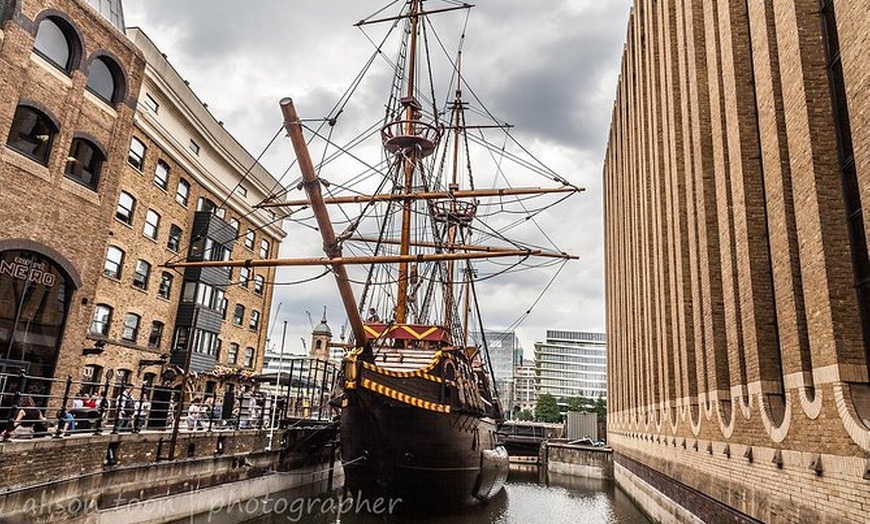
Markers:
point(738, 281)
point(111, 167)
point(69, 81)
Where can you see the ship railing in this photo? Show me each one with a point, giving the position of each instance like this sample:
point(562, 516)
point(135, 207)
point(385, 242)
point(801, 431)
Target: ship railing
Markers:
point(400, 135)
point(33, 406)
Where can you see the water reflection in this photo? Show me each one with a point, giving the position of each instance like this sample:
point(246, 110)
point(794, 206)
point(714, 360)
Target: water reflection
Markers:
point(524, 501)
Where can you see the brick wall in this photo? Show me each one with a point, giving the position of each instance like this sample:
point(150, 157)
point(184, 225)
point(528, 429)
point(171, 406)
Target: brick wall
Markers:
point(733, 322)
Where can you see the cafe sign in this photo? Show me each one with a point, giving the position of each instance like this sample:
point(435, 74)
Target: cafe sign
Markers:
point(21, 268)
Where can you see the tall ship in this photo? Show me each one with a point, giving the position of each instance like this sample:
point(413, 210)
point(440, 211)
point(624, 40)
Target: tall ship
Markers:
point(413, 234)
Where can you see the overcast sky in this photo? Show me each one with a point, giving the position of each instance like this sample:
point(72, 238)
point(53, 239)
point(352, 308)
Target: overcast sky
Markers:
point(549, 67)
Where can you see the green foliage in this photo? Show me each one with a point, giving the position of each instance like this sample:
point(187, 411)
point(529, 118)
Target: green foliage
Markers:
point(525, 415)
point(601, 409)
point(579, 404)
point(547, 410)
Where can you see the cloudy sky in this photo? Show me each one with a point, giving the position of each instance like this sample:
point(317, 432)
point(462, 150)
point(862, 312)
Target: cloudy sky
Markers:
point(549, 67)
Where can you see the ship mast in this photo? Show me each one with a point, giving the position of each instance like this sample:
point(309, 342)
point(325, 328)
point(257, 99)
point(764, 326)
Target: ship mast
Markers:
point(412, 116)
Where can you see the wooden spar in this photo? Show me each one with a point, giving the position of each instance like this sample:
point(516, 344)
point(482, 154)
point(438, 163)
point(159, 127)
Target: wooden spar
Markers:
point(331, 247)
point(462, 247)
point(421, 13)
point(340, 262)
point(432, 195)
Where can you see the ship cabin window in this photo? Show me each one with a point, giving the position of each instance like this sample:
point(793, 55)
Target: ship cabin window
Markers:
point(105, 80)
point(57, 42)
point(84, 163)
point(32, 134)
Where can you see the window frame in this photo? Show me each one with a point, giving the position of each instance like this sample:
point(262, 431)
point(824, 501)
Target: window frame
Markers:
point(140, 280)
point(161, 181)
point(131, 329)
point(132, 209)
point(159, 326)
point(182, 197)
point(135, 159)
point(119, 264)
point(71, 39)
point(164, 286)
point(151, 230)
point(42, 152)
point(93, 168)
point(239, 315)
point(106, 323)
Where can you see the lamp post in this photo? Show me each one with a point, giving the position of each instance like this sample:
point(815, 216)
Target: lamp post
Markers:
point(277, 387)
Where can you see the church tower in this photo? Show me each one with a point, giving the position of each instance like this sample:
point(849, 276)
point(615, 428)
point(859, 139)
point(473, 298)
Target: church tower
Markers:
point(320, 338)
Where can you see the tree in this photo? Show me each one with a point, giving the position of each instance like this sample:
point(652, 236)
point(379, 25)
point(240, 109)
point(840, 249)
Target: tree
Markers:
point(547, 410)
point(601, 409)
point(525, 415)
point(579, 404)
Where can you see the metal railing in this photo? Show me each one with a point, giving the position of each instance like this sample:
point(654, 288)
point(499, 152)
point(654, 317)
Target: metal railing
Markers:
point(33, 407)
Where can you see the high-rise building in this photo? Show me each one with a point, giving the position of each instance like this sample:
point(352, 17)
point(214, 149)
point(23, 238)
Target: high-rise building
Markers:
point(505, 353)
point(738, 277)
point(571, 364)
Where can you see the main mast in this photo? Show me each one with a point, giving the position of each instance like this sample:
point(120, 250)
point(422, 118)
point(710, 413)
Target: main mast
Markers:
point(412, 116)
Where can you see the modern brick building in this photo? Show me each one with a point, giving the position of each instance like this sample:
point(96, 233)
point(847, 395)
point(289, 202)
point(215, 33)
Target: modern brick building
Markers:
point(738, 281)
point(112, 167)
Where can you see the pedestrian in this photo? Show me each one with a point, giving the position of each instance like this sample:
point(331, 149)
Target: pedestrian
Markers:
point(126, 408)
point(29, 421)
point(194, 412)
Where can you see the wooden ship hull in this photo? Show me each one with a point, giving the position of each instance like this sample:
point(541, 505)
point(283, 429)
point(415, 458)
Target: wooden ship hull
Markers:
point(421, 437)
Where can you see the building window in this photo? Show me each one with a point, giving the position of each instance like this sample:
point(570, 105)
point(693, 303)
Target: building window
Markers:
point(249, 357)
point(249, 240)
point(255, 320)
point(152, 224)
point(151, 104)
point(32, 134)
point(233, 354)
point(234, 223)
point(259, 284)
point(206, 204)
point(165, 288)
point(131, 327)
point(174, 242)
point(114, 262)
point(242, 190)
point(92, 376)
point(239, 315)
point(142, 274)
point(104, 79)
point(156, 334)
point(222, 306)
point(244, 276)
point(102, 320)
point(264, 248)
point(126, 207)
point(84, 163)
point(54, 42)
point(194, 147)
point(182, 193)
point(136, 155)
point(161, 175)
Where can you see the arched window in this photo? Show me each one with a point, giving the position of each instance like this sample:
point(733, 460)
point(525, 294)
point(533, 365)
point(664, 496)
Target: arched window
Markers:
point(32, 134)
point(114, 262)
point(35, 295)
point(57, 43)
point(126, 207)
point(84, 163)
point(104, 79)
point(102, 320)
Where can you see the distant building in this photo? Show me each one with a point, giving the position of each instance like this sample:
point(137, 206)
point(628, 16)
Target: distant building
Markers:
point(571, 364)
point(505, 353)
point(525, 397)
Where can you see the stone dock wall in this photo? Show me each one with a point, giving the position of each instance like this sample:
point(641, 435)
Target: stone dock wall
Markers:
point(576, 461)
point(117, 478)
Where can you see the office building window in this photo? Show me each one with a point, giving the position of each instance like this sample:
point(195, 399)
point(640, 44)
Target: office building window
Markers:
point(84, 163)
point(161, 175)
point(165, 289)
point(136, 155)
point(101, 320)
point(142, 274)
point(156, 334)
point(152, 224)
point(126, 207)
point(32, 134)
point(131, 327)
point(114, 262)
point(182, 192)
